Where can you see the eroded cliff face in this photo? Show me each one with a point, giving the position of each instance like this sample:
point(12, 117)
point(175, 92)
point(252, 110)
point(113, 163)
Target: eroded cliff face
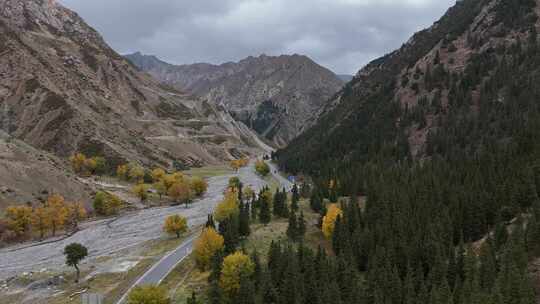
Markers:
point(279, 97)
point(64, 90)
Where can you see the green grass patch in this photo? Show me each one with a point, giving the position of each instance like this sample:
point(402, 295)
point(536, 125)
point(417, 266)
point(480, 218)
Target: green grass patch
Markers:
point(262, 236)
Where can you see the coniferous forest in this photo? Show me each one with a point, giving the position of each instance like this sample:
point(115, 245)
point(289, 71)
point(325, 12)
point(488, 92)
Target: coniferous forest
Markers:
point(457, 221)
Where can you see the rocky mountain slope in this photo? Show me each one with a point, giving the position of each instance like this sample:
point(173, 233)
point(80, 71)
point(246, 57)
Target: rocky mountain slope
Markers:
point(460, 86)
point(64, 90)
point(28, 173)
point(279, 97)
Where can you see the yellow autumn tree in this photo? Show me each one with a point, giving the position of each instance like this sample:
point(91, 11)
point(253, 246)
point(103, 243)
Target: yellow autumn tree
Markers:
point(171, 179)
point(175, 224)
point(181, 192)
point(19, 219)
point(199, 186)
point(329, 220)
point(107, 203)
point(76, 213)
point(208, 243)
point(114, 203)
point(227, 207)
point(136, 173)
point(161, 188)
point(236, 267)
point(141, 191)
point(41, 221)
point(157, 174)
point(178, 176)
point(77, 162)
point(58, 212)
point(239, 163)
point(122, 171)
point(262, 168)
point(90, 165)
point(235, 165)
point(148, 294)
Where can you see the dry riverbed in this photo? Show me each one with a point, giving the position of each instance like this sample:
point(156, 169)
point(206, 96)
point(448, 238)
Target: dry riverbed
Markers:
point(117, 247)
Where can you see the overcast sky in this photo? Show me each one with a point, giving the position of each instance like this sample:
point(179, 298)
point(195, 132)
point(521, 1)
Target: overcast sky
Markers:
point(342, 35)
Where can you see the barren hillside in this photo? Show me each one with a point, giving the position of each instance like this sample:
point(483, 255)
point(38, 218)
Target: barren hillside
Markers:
point(279, 97)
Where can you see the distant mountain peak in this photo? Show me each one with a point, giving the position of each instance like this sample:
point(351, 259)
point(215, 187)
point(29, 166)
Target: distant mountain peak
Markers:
point(279, 96)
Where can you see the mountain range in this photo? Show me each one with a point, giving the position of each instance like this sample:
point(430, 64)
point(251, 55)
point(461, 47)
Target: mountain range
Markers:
point(419, 179)
point(279, 97)
point(64, 90)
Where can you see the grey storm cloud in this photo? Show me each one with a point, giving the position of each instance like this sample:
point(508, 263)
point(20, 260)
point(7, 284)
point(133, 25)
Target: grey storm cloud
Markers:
point(342, 35)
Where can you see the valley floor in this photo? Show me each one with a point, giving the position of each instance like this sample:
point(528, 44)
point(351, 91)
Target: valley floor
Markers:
point(107, 238)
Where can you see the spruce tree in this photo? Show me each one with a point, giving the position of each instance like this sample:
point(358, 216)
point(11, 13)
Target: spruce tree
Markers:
point(210, 223)
point(258, 271)
point(277, 204)
point(274, 261)
point(215, 295)
point(192, 299)
point(264, 214)
point(231, 236)
point(268, 293)
point(409, 289)
point(488, 265)
point(240, 193)
point(216, 265)
point(338, 236)
point(315, 202)
point(244, 229)
point(246, 293)
point(295, 198)
point(254, 209)
point(302, 226)
point(292, 228)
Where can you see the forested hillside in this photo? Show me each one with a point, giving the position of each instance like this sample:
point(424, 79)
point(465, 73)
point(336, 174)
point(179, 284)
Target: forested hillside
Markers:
point(441, 137)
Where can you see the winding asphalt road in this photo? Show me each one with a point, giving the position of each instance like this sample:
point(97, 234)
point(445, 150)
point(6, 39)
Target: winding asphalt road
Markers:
point(161, 269)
